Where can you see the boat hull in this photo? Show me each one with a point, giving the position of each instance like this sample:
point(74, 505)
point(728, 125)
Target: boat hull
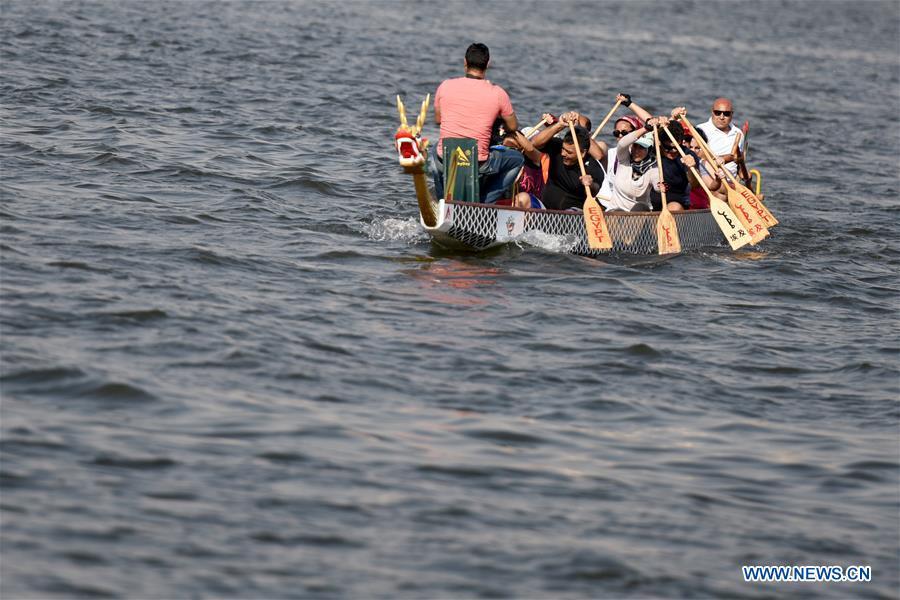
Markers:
point(476, 227)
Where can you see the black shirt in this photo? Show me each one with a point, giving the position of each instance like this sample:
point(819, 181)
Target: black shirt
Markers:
point(675, 174)
point(563, 189)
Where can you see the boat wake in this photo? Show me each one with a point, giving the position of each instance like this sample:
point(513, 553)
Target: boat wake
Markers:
point(396, 230)
point(558, 244)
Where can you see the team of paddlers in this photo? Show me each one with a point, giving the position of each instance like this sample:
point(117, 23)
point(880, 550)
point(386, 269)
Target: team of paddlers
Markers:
point(654, 157)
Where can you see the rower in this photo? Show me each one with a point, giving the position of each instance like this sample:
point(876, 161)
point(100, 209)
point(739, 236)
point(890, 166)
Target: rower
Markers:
point(466, 107)
point(531, 182)
point(676, 174)
point(722, 134)
point(710, 174)
point(635, 174)
point(565, 185)
point(622, 126)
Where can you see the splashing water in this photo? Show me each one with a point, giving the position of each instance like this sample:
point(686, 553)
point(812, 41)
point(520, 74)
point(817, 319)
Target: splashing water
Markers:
point(403, 230)
point(558, 244)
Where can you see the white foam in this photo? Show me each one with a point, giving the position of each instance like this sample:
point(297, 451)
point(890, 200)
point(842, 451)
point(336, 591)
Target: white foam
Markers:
point(404, 230)
point(558, 244)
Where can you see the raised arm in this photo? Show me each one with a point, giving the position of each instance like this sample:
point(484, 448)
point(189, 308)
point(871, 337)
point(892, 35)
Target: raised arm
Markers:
point(711, 177)
point(598, 150)
point(528, 149)
point(642, 114)
point(625, 143)
point(553, 127)
point(627, 140)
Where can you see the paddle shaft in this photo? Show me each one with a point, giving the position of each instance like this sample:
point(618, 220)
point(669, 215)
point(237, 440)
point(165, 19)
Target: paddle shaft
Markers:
point(736, 237)
point(768, 219)
point(742, 156)
point(693, 169)
point(534, 130)
point(659, 169)
point(451, 177)
point(736, 146)
point(606, 119)
point(587, 188)
point(595, 223)
point(666, 229)
point(707, 151)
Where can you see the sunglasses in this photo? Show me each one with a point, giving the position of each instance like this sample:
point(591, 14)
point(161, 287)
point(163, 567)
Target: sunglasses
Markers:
point(723, 113)
point(620, 133)
point(666, 148)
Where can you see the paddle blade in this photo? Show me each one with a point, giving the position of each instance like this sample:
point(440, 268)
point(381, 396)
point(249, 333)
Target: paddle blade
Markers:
point(767, 218)
point(746, 215)
point(595, 226)
point(667, 233)
point(728, 222)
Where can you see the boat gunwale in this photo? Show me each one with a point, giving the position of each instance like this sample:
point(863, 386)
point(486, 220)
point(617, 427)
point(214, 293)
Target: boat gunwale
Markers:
point(645, 213)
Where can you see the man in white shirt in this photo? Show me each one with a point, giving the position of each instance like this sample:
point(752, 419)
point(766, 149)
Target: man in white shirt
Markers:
point(722, 134)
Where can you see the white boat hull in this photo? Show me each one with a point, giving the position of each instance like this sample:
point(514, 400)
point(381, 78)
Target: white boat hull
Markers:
point(470, 226)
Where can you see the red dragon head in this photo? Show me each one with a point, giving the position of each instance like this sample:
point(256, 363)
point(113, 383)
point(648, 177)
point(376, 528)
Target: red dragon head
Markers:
point(411, 147)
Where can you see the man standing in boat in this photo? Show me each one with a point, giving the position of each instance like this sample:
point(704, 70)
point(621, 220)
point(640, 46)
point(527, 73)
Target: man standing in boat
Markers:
point(723, 136)
point(467, 107)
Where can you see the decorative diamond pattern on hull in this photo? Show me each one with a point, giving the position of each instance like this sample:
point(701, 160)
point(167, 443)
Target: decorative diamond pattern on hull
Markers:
point(475, 226)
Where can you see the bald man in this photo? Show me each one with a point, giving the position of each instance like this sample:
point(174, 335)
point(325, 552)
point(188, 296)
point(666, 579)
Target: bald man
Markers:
point(722, 133)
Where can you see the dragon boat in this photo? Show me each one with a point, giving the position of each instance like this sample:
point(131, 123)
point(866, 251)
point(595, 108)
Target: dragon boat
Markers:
point(473, 226)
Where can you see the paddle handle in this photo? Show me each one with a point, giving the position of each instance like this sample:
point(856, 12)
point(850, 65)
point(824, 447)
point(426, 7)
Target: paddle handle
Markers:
point(659, 168)
point(587, 188)
point(738, 153)
point(693, 169)
point(606, 119)
point(534, 130)
point(736, 146)
point(741, 156)
point(451, 177)
point(766, 215)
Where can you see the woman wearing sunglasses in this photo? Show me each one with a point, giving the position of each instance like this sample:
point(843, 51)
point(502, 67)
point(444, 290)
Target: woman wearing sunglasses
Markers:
point(722, 133)
point(621, 127)
point(635, 175)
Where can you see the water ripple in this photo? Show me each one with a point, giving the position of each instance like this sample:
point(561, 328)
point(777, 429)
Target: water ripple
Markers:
point(234, 365)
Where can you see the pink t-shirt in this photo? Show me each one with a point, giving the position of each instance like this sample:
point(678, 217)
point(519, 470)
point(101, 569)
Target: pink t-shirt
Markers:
point(469, 108)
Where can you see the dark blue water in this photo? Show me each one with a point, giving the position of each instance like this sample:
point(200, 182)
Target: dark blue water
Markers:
point(233, 366)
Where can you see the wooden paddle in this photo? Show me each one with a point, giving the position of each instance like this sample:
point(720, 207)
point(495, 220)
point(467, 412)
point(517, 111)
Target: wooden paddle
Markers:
point(727, 221)
point(594, 221)
point(766, 218)
point(750, 210)
point(740, 154)
point(451, 176)
point(745, 213)
point(666, 230)
point(604, 121)
point(534, 130)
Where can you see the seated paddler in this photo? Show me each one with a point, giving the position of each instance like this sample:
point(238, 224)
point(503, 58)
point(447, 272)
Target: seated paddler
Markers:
point(564, 189)
point(466, 107)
